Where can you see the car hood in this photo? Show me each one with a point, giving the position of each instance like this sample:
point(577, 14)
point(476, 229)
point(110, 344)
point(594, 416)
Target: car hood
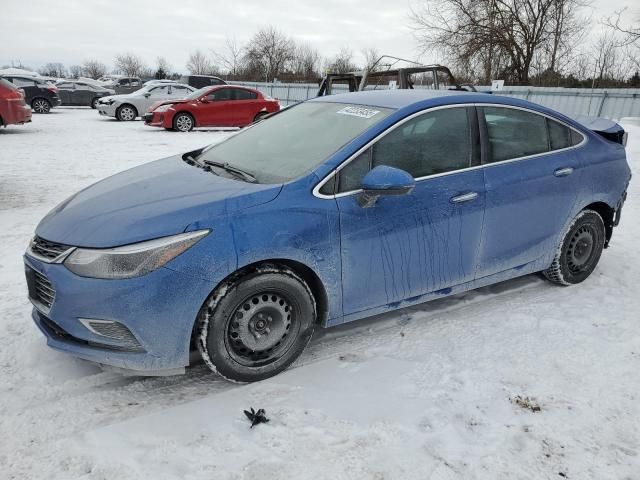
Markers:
point(168, 102)
point(150, 201)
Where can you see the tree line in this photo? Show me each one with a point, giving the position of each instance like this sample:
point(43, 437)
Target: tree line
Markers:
point(531, 42)
point(524, 42)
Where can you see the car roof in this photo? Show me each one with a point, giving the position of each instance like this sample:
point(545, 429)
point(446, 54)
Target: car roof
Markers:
point(390, 98)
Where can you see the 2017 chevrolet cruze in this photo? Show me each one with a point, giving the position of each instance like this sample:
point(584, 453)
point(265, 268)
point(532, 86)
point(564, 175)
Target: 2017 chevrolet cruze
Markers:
point(333, 210)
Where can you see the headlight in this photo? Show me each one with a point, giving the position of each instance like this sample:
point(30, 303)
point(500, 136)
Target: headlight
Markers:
point(130, 260)
point(163, 108)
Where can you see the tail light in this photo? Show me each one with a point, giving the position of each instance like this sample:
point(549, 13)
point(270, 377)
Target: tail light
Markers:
point(52, 89)
point(16, 95)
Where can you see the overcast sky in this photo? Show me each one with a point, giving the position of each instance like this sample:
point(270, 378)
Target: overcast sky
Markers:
point(69, 31)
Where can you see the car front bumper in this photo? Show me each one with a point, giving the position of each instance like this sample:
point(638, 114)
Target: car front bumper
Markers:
point(157, 311)
point(154, 119)
point(107, 110)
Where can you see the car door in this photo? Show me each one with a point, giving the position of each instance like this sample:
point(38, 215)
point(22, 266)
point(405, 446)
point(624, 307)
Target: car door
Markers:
point(426, 241)
point(28, 85)
point(83, 94)
point(179, 91)
point(532, 176)
point(161, 92)
point(65, 92)
point(245, 106)
point(217, 109)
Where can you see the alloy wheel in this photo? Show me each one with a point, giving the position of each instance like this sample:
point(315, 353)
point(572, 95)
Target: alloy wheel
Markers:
point(184, 123)
point(127, 114)
point(41, 106)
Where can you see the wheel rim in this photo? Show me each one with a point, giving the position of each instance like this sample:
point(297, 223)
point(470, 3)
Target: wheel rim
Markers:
point(127, 113)
point(261, 329)
point(41, 106)
point(94, 104)
point(581, 249)
point(184, 123)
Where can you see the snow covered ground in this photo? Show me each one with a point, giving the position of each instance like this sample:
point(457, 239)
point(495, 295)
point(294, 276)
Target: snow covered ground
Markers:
point(424, 393)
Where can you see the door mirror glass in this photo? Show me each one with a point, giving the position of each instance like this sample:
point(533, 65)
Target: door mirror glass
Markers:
point(384, 180)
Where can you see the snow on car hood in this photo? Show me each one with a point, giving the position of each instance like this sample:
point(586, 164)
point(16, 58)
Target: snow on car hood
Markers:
point(150, 201)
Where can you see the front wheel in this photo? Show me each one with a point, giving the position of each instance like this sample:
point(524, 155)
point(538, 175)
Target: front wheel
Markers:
point(257, 326)
point(579, 251)
point(41, 105)
point(183, 122)
point(126, 113)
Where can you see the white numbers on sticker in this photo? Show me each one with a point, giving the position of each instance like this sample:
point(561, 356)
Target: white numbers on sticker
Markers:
point(361, 112)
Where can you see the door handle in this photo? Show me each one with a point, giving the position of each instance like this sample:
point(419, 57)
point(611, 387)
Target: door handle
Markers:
point(465, 197)
point(563, 172)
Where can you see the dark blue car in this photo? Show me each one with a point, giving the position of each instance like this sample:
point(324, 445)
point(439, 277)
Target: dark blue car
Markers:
point(333, 210)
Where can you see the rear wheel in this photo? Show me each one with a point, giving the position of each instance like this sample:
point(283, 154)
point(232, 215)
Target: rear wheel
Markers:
point(126, 113)
point(183, 122)
point(579, 251)
point(41, 105)
point(260, 116)
point(257, 326)
point(94, 103)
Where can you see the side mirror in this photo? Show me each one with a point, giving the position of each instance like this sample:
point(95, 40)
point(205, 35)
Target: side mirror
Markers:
point(204, 100)
point(384, 180)
point(147, 95)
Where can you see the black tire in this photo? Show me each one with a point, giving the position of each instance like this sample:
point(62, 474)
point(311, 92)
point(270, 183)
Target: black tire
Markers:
point(94, 103)
point(260, 116)
point(183, 122)
point(126, 113)
point(41, 105)
point(579, 251)
point(256, 326)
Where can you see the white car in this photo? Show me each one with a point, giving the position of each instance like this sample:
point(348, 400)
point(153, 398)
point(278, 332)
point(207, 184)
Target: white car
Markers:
point(132, 105)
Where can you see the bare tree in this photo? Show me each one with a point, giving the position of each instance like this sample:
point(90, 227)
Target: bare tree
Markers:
point(630, 31)
point(54, 69)
point(76, 71)
point(130, 65)
point(305, 62)
point(371, 57)
point(268, 51)
point(199, 64)
point(342, 62)
point(485, 33)
point(231, 59)
point(93, 69)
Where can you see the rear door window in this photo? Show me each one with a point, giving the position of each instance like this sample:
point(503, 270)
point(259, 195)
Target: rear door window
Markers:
point(514, 133)
point(242, 94)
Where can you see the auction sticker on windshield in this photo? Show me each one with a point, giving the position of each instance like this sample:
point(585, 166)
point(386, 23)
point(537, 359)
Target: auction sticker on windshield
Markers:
point(361, 112)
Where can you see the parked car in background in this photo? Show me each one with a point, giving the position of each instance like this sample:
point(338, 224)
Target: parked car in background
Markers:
point(124, 85)
point(334, 210)
point(13, 108)
point(201, 81)
point(41, 96)
point(159, 81)
point(79, 93)
point(221, 106)
point(129, 107)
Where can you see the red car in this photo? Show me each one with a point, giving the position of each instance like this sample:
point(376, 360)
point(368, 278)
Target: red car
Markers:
point(219, 106)
point(13, 109)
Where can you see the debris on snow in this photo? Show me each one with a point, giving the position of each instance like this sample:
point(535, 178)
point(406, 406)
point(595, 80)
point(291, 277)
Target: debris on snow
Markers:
point(528, 403)
point(256, 417)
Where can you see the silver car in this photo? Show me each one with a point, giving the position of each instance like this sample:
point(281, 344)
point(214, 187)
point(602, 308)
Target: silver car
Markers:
point(132, 105)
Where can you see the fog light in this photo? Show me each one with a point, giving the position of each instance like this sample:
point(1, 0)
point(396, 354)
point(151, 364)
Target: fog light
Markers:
point(113, 330)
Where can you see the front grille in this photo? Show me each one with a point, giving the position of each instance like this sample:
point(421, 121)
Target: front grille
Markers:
point(41, 290)
point(46, 249)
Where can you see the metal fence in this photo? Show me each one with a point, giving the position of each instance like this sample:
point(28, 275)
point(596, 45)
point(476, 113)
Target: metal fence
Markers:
point(613, 103)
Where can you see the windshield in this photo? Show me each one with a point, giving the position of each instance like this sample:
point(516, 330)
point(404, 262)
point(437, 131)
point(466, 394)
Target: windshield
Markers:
point(295, 141)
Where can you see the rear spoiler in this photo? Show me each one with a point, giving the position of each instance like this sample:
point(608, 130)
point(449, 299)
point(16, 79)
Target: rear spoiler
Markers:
point(605, 128)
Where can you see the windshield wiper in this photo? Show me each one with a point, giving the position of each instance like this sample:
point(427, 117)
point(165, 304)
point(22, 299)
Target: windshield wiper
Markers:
point(234, 170)
point(191, 160)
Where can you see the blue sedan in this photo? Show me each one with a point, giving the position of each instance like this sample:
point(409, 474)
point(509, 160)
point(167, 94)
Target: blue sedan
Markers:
point(336, 209)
